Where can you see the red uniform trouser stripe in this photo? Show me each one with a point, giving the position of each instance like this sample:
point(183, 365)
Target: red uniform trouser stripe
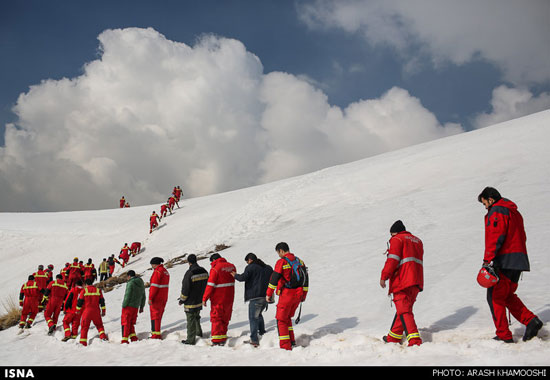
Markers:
point(220, 315)
point(51, 314)
point(88, 318)
point(501, 297)
point(128, 321)
point(404, 322)
point(68, 320)
point(289, 300)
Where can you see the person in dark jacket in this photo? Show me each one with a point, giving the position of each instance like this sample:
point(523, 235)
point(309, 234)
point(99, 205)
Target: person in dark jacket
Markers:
point(256, 277)
point(134, 302)
point(192, 289)
point(505, 250)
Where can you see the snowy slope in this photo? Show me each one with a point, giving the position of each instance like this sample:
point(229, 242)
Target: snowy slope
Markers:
point(337, 220)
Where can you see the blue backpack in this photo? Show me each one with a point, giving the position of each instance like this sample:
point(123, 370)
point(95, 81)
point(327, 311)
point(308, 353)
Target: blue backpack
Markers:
point(299, 275)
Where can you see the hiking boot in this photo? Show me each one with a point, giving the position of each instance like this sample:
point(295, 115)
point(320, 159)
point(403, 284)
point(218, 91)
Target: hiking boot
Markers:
point(504, 340)
point(252, 343)
point(415, 342)
point(390, 339)
point(532, 329)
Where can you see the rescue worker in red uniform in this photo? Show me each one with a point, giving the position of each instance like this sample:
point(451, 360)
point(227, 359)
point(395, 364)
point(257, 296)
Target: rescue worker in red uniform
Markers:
point(75, 273)
point(220, 290)
point(289, 298)
point(171, 203)
point(49, 273)
point(404, 269)
point(177, 193)
point(41, 278)
point(124, 254)
point(122, 202)
point(91, 305)
point(89, 271)
point(164, 210)
point(506, 250)
point(65, 272)
point(71, 319)
point(29, 298)
point(135, 248)
point(158, 295)
point(153, 221)
point(56, 293)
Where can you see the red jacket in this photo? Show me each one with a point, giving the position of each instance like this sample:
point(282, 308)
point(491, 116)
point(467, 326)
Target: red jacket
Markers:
point(404, 265)
point(70, 301)
point(160, 280)
point(57, 289)
point(154, 218)
point(505, 237)
point(75, 270)
point(30, 292)
point(220, 287)
point(90, 299)
point(41, 278)
point(124, 253)
point(281, 275)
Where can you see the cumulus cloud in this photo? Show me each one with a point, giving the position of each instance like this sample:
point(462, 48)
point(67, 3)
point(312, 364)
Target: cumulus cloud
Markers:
point(508, 33)
point(510, 103)
point(151, 113)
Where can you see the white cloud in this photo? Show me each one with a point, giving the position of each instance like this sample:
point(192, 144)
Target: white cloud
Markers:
point(513, 35)
point(151, 113)
point(511, 103)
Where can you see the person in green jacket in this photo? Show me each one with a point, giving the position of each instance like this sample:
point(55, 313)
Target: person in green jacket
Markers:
point(134, 301)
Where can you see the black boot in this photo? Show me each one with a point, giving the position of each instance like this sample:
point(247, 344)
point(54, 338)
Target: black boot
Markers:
point(532, 329)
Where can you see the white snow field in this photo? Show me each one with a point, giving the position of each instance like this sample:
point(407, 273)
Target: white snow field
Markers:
point(337, 220)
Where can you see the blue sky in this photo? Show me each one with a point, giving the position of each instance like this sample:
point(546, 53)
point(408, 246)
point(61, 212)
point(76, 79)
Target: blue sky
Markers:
point(347, 51)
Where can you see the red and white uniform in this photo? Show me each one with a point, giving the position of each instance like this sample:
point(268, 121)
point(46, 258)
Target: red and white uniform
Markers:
point(56, 292)
point(404, 269)
point(91, 305)
point(29, 298)
point(220, 290)
point(158, 295)
point(71, 320)
point(289, 300)
point(505, 246)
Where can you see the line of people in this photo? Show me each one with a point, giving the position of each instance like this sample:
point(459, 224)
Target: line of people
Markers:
point(505, 258)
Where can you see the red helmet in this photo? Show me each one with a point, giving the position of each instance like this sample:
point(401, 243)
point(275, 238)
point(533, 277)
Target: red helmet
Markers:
point(487, 277)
